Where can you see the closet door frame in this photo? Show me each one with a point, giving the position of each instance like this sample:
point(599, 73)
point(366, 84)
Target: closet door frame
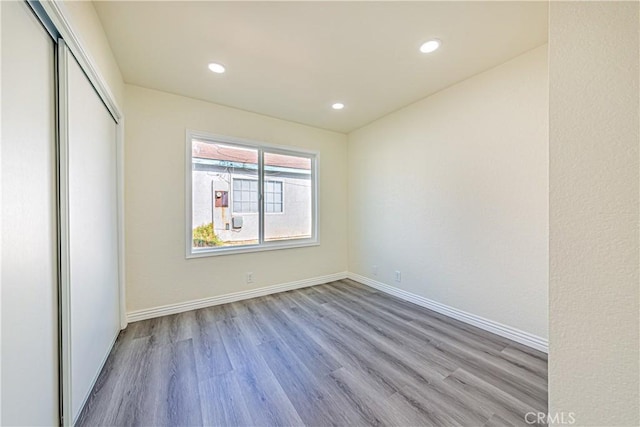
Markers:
point(53, 17)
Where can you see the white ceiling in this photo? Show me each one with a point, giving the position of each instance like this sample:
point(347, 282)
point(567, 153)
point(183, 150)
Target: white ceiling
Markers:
point(292, 60)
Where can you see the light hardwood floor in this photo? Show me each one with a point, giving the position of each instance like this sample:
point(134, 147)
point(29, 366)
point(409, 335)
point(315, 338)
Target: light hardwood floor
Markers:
point(334, 354)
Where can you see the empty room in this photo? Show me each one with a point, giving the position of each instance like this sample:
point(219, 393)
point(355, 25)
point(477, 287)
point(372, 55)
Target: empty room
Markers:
point(319, 213)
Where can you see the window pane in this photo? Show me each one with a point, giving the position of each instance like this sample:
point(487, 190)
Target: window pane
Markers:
point(288, 180)
point(246, 192)
point(226, 195)
point(220, 173)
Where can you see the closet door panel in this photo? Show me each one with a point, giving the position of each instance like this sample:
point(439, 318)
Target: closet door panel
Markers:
point(28, 221)
point(93, 235)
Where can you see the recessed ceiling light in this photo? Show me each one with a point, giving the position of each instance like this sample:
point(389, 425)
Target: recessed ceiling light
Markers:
point(338, 106)
point(430, 46)
point(217, 68)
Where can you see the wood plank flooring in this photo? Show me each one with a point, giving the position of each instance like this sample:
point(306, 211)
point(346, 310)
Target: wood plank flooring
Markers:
point(335, 354)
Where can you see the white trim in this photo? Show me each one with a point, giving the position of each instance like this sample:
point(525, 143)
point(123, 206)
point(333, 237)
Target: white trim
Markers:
point(497, 328)
point(121, 237)
point(188, 193)
point(268, 246)
point(165, 310)
point(58, 16)
point(248, 143)
point(1, 227)
point(260, 197)
point(64, 257)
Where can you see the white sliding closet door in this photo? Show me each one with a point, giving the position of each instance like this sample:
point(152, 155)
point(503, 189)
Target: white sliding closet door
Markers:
point(92, 232)
point(28, 181)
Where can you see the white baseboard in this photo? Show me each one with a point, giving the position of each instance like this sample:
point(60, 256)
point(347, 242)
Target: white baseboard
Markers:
point(149, 313)
point(509, 332)
point(505, 331)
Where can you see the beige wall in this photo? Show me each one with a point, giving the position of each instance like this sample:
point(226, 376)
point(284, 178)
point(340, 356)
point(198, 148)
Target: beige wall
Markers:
point(157, 272)
point(453, 192)
point(593, 365)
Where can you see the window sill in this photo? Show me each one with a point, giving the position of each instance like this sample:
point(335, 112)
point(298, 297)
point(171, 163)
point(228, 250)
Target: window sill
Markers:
point(229, 250)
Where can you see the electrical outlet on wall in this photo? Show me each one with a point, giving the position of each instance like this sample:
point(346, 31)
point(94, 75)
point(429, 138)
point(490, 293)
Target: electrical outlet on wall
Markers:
point(374, 270)
point(398, 276)
point(249, 277)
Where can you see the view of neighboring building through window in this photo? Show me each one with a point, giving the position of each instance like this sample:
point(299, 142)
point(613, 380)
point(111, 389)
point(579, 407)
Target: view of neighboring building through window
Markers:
point(226, 195)
point(288, 196)
point(273, 196)
point(245, 195)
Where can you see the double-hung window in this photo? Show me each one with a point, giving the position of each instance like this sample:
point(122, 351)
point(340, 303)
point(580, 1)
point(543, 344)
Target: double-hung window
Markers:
point(244, 196)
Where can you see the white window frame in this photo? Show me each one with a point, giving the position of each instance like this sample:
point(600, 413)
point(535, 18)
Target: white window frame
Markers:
point(261, 147)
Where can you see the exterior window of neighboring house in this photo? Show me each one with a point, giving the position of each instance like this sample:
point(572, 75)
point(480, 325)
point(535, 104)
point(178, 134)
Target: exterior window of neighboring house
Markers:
point(245, 195)
point(236, 199)
point(273, 197)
